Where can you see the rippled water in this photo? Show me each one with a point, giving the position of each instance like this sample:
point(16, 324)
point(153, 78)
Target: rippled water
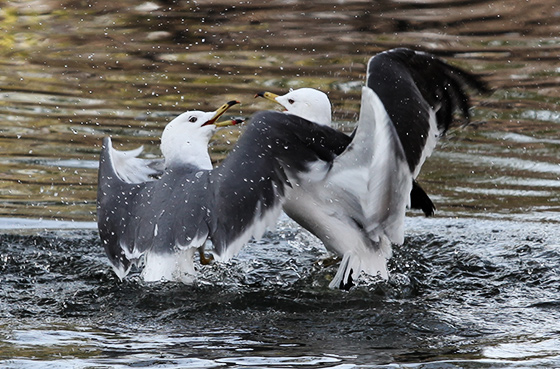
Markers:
point(475, 287)
point(464, 292)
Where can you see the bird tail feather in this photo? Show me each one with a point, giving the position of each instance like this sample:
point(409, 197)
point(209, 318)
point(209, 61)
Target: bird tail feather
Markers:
point(176, 266)
point(348, 271)
point(372, 261)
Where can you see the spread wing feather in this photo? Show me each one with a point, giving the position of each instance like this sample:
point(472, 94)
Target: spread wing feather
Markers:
point(274, 148)
point(372, 173)
point(412, 85)
point(186, 206)
point(132, 169)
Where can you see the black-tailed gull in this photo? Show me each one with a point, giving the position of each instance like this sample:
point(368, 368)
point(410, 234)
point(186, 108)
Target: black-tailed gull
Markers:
point(356, 203)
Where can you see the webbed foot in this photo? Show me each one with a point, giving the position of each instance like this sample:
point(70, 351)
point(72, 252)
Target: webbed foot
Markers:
point(204, 260)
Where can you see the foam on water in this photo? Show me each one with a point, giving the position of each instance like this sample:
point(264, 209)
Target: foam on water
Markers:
point(18, 224)
point(471, 289)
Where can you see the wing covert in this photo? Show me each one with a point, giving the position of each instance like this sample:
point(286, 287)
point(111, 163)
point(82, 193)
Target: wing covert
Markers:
point(253, 180)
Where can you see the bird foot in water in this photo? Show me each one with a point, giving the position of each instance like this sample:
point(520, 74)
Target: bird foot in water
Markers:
point(327, 262)
point(349, 284)
point(203, 259)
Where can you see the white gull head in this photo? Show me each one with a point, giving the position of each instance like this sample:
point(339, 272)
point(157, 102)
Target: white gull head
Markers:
point(307, 103)
point(185, 139)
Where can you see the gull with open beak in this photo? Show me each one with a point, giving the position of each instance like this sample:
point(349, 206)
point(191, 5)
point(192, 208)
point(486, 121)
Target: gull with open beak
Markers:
point(356, 203)
point(162, 211)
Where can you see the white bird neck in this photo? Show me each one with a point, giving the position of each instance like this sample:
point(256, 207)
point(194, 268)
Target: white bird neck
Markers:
point(179, 151)
point(324, 118)
point(320, 117)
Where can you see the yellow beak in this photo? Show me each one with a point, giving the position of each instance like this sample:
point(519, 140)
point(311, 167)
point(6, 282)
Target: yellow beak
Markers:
point(231, 122)
point(269, 96)
point(221, 110)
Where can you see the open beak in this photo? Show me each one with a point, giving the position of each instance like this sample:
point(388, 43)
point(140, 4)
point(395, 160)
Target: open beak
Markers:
point(231, 122)
point(221, 110)
point(268, 95)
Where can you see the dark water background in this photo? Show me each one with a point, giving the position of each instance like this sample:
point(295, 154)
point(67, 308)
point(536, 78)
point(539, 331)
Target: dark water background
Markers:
point(475, 287)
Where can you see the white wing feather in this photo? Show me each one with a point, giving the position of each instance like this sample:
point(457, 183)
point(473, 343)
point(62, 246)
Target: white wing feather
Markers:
point(130, 168)
point(373, 175)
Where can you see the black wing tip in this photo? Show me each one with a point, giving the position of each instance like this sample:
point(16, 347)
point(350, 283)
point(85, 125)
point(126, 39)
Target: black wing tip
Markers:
point(465, 78)
point(118, 260)
point(474, 81)
point(456, 81)
point(106, 142)
point(420, 200)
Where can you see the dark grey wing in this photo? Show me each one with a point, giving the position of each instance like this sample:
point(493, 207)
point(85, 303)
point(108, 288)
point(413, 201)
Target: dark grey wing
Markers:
point(251, 183)
point(153, 218)
point(157, 166)
point(420, 94)
point(175, 211)
point(115, 209)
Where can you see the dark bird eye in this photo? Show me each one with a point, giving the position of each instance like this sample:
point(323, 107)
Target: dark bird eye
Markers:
point(291, 101)
point(193, 119)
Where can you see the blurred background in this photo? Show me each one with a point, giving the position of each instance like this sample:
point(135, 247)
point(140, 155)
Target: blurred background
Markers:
point(76, 71)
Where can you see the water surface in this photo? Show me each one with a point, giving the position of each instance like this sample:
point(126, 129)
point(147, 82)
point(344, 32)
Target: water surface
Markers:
point(475, 287)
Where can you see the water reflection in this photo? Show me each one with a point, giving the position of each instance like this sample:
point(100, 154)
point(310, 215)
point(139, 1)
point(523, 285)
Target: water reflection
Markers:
point(127, 69)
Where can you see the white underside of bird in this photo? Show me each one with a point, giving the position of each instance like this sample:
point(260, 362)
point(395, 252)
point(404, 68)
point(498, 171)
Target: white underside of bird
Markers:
point(357, 206)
